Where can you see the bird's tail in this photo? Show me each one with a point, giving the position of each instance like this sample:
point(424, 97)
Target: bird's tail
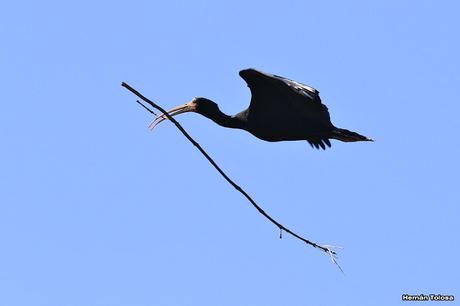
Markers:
point(347, 136)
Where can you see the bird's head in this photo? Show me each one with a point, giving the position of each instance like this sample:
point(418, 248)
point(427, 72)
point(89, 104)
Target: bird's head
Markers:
point(205, 106)
point(199, 105)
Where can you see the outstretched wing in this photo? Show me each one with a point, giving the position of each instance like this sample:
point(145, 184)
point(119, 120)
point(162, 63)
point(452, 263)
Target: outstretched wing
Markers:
point(302, 89)
point(275, 97)
point(273, 93)
point(268, 82)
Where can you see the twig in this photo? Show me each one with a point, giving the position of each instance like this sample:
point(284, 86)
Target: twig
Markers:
point(325, 248)
point(145, 107)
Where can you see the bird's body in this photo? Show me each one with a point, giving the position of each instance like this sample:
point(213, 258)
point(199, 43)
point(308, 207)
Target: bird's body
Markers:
point(280, 110)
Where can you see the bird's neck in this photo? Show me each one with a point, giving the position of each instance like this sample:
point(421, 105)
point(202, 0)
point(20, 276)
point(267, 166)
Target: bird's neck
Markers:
point(234, 122)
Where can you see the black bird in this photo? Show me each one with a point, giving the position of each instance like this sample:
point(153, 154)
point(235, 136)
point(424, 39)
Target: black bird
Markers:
point(280, 109)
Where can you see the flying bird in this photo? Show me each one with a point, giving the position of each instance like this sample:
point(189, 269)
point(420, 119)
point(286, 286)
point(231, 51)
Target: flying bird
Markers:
point(280, 110)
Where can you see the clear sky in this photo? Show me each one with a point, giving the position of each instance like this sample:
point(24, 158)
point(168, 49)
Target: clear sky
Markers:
point(97, 210)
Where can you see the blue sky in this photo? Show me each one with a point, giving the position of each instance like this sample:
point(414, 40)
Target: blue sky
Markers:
point(97, 210)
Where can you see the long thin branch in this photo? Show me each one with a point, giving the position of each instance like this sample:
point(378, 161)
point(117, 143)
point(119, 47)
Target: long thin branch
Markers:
point(327, 249)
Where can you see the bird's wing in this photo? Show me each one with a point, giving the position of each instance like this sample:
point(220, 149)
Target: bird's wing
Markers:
point(276, 98)
point(276, 93)
point(271, 85)
point(302, 89)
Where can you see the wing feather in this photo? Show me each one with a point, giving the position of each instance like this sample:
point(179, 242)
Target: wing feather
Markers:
point(305, 90)
point(276, 97)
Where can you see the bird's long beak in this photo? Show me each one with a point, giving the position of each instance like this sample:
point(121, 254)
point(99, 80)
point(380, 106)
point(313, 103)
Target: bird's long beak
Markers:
point(187, 107)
